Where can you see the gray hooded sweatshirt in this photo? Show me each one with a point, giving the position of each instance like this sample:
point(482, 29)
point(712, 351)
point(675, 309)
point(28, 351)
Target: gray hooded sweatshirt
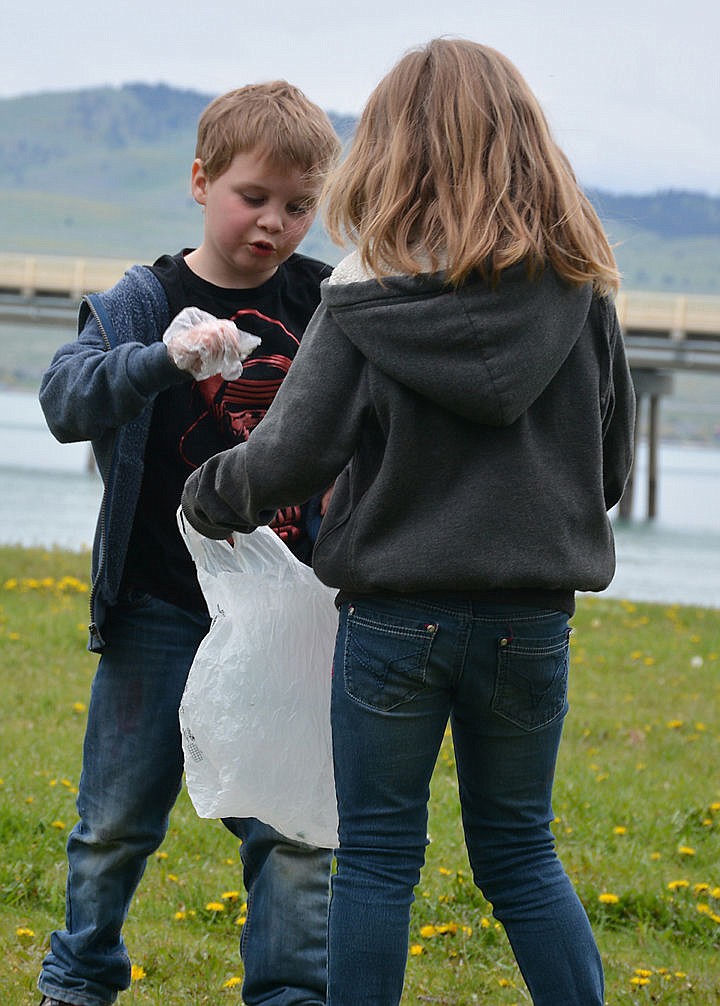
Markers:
point(477, 437)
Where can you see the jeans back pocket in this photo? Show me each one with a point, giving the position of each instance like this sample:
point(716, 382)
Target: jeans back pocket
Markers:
point(386, 657)
point(532, 680)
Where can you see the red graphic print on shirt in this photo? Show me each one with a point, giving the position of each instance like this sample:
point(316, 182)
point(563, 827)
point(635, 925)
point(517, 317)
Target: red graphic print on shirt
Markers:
point(232, 409)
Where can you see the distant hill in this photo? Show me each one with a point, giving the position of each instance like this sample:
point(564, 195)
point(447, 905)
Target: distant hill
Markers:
point(105, 172)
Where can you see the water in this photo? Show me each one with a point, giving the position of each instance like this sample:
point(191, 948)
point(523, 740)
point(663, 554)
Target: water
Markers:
point(49, 497)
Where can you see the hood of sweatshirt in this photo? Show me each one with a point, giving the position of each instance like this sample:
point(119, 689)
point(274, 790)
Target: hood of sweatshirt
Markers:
point(483, 352)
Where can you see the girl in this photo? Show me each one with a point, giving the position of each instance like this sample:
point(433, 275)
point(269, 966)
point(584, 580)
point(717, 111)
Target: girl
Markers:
point(464, 380)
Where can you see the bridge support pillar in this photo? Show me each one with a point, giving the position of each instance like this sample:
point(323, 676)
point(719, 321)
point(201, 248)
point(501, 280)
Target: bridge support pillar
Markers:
point(650, 386)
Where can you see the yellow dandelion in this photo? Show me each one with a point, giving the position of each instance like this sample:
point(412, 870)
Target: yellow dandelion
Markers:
point(637, 980)
point(79, 707)
point(137, 972)
point(643, 972)
point(241, 920)
point(703, 908)
point(701, 888)
point(215, 906)
point(22, 931)
point(444, 871)
point(675, 885)
point(230, 895)
point(416, 949)
point(427, 932)
point(161, 855)
point(179, 916)
point(606, 898)
point(674, 724)
point(485, 923)
point(620, 829)
point(231, 983)
point(60, 825)
point(686, 850)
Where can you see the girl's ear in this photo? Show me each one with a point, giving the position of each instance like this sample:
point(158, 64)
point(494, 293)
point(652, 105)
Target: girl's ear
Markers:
point(198, 182)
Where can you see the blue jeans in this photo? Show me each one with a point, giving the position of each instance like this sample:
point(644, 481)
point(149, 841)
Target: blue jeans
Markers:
point(131, 777)
point(403, 668)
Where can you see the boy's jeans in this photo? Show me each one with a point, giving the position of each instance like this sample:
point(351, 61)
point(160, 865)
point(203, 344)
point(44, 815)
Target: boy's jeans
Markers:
point(403, 668)
point(131, 776)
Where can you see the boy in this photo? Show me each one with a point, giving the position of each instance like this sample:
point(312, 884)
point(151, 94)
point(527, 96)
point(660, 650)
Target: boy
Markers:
point(261, 155)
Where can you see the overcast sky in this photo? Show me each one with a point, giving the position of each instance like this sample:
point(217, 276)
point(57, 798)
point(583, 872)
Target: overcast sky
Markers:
point(631, 87)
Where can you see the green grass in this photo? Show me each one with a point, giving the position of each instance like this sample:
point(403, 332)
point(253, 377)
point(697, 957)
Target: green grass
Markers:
point(637, 801)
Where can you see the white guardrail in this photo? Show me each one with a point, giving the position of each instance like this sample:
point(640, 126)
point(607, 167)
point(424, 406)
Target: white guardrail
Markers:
point(58, 275)
point(35, 276)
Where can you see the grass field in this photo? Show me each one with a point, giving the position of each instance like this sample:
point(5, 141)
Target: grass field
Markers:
point(637, 801)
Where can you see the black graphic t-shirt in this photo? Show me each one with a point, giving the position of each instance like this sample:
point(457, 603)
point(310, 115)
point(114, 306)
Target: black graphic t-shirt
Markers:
point(193, 421)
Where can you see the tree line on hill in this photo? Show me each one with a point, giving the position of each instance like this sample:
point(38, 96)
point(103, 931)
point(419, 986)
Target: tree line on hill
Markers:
point(103, 167)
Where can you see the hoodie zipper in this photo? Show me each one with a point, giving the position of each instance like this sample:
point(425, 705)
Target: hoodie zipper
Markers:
point(95, 640)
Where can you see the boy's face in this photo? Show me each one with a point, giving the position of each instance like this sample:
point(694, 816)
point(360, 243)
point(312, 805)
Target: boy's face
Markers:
point(256, 214)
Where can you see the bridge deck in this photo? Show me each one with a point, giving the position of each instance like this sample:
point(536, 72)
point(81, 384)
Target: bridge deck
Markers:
point(662, 330)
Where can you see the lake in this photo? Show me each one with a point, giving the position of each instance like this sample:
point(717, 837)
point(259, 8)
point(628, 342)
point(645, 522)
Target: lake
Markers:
point(50, 496)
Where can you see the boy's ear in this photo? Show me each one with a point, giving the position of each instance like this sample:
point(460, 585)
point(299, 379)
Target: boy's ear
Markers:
point(198, 182)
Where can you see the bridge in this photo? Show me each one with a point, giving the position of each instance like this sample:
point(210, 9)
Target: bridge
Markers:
point(664, 332)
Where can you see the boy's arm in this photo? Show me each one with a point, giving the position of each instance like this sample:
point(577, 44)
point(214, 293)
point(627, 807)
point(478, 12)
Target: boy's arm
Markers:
point(304, 441)
point(90, 388)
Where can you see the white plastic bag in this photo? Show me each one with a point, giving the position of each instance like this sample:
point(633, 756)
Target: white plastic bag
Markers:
point(255, 715)
point(204, 345)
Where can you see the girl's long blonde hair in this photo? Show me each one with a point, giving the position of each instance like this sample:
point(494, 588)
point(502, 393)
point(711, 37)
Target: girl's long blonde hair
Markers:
point(453, 167)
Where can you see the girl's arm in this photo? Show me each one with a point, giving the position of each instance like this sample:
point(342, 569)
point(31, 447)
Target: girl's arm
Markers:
point(304, 441)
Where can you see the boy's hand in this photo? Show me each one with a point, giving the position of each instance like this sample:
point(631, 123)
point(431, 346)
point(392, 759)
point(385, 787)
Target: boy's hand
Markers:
point(203, 345)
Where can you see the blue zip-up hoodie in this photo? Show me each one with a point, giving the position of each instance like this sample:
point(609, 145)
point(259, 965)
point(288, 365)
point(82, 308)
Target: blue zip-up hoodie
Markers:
point(88, 393)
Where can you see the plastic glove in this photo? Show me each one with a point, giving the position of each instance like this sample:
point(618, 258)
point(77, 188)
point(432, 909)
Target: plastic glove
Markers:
point(203, 345)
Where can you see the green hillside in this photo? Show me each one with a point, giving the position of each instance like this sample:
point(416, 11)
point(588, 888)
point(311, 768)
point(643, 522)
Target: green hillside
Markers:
point(105, 172)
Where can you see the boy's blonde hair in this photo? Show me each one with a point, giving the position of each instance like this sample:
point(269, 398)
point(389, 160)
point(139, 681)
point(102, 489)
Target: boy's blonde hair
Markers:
point(453, 167)
point(275, 118)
